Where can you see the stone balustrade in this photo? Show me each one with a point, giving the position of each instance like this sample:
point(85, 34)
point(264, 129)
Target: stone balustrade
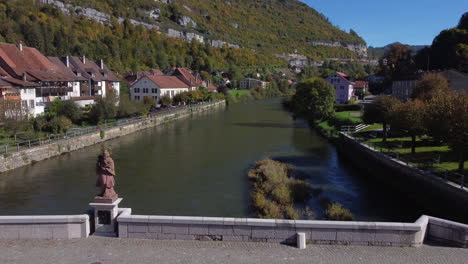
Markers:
point(44, 227)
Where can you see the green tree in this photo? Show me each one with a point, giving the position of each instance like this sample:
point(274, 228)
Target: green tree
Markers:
point(314, 99)
point(397, 62)
point(379, 112)
point(166, 100)
point(409, 117)
point(447, 119)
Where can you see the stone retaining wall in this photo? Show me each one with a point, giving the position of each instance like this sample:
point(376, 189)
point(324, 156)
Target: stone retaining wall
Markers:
point(44, 227)
point(447, 232)
point(275, 231)
point(367, 158)
point(30, 156)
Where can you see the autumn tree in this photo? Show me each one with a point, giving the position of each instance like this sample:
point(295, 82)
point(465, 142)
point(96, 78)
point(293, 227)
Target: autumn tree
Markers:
point(379, 112)
point(166, 100)
point(314, 99)
point(447, 119)
point(409, 117)
point(429, 85)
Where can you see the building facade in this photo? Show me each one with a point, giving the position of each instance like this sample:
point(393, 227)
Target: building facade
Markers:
point(250, 83)
point(157, 86)
point(344, 87)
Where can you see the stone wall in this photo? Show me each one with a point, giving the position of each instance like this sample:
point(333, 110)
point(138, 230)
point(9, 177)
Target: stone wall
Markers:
point(447, 232)
point(36, 154)
point(44, 227)
point(367, 158)
point(270, 230)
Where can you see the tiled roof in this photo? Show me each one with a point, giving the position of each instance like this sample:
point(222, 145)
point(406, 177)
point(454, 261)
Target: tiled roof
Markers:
point(342, 74)
point(29, 61)
point(86, 69)
point(186, 76)
point(167, 81)
point(67, 70)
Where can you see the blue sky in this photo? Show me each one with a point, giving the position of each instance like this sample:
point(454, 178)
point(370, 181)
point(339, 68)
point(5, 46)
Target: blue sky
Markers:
point(381, 22)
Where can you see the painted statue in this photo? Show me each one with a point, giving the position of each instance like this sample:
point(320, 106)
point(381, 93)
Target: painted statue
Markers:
point(106, 177)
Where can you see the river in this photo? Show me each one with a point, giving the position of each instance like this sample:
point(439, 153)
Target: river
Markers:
point(197, 166)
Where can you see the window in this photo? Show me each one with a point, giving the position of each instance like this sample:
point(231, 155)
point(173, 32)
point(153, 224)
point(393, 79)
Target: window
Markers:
point(137, 90)
point(145, 90)
point(342, 87)
point(154, 90)
point(137, 98)
point(24, 103)
point(31, 103)
point(172, 93)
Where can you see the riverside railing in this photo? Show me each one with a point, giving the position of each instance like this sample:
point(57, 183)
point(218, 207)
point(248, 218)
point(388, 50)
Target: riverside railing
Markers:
point(424, 164)
point(10, 148)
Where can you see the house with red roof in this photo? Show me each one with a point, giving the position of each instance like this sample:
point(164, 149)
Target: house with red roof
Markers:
point(156, 86)
point(344, 87)
point(38, 81)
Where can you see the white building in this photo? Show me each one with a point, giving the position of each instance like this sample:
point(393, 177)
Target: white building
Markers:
point(249, 83)
point(156, 86)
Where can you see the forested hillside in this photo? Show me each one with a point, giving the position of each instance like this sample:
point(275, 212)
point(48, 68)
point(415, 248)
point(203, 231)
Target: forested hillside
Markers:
point(274, 26)
point(123, 46)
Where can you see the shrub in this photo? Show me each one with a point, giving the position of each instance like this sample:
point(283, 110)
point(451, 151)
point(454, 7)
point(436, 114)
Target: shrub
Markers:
point(337, 212)
point(166, 100)
point(348, 107)
point(275, 191)
point(60, 124)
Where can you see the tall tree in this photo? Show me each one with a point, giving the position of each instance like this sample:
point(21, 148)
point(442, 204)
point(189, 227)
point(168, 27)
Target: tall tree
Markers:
point(447, 119)
point(397, 62)
point(429, 86)
point(410, 118)
point(314, 99)
point(379, 112)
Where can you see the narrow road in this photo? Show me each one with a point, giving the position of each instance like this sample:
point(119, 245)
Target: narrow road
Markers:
point(98, 250)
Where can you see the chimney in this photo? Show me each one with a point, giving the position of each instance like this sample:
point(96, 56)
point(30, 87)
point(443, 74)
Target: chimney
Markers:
point(101, 64)
point(83, 59)
point(67, 61)
point(20, 45)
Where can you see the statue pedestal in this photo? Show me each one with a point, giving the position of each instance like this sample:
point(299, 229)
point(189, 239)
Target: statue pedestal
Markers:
point(105, 217)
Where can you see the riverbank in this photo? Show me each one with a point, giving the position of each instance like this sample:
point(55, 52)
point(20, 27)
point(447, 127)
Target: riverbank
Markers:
point(33, 155)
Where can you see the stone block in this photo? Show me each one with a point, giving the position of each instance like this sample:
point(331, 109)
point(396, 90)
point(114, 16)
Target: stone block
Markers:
point(175, 229)
point(440, 232)
point(35, 233)
point(242, 230)
point(261, 222)
point(160, 219)
point(301, 240)
point(263, 232)
point(285, 223)
point(154, 228)
point(355, 235)
point(235, 238)
point(60, 232)
point(137, 227)
point(213, 220)
point(240, 222)
point(123, 230)
point(140, 219)
point(328, 234)
point(166, 236)
point(198, 230)
point(184, 237)
point(355, 243)
point(152, 235)
point(229, 221)
point(220, 230)
point(137, 235)
point(189, 220)
point(394, 237)
point(306, 231)
point(286, 233)
point(380, 244)
point(9, 233)
point(74, 230)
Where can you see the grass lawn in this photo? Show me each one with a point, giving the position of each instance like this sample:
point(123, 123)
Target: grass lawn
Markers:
point(238, 93)
point(429, 155)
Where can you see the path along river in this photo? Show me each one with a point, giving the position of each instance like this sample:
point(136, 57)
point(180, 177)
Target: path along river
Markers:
point(197, 166)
